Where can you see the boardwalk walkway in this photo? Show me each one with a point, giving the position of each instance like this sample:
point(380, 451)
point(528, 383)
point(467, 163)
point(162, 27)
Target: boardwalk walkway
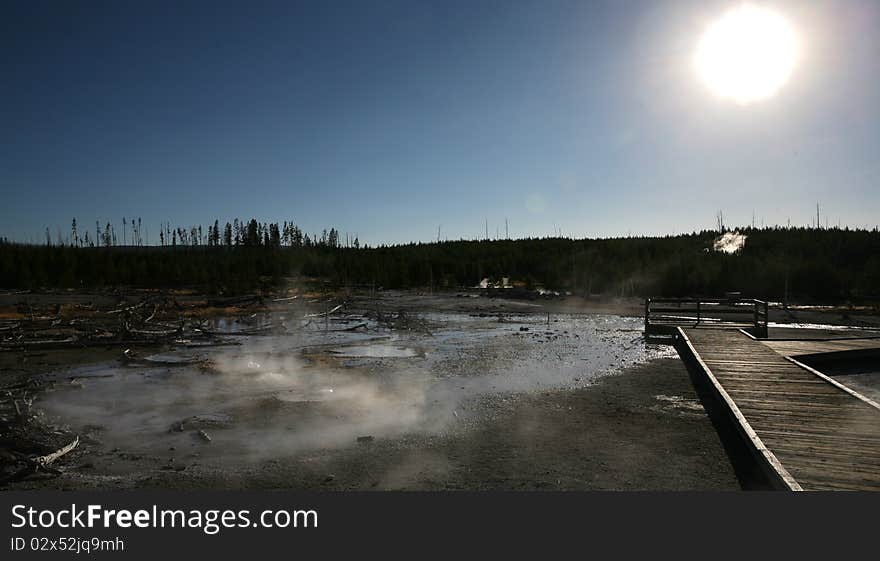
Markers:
point(807, 431)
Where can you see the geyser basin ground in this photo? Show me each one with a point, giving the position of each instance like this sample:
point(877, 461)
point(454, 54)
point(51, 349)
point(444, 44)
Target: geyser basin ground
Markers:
point(468, 400)
point(290, 393)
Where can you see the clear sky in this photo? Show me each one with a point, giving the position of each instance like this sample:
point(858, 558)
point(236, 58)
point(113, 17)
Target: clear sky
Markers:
point(389, 119)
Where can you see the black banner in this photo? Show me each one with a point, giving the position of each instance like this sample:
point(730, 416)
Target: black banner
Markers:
point(145, 524)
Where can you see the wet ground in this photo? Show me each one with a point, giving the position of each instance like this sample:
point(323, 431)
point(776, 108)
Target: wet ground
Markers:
point(397, 391)
point(318, 385)
point(406, 391)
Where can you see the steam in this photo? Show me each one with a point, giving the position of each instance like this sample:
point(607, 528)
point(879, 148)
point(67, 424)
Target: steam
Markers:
point(729, 242)
point(276, 404)
point(278, 396)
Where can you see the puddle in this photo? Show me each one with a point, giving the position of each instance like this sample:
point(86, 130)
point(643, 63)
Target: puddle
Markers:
point(375, 351)
point(170, 358)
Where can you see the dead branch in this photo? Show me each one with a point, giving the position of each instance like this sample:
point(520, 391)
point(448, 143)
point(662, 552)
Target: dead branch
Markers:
point(327, 313)
point(38, 464)
point(44, 461)
point(155, 309)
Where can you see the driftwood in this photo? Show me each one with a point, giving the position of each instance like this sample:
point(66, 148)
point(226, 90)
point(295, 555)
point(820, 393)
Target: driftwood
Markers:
point(128, 327)
point(44, 461)
point(38, 464)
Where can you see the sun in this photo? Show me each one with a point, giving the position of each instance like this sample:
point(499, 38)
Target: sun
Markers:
point(747, 54)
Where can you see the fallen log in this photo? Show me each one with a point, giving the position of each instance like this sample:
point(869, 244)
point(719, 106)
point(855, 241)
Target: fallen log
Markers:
point(44, 461)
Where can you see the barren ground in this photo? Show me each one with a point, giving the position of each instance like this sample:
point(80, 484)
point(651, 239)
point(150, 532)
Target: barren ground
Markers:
point(488, 395)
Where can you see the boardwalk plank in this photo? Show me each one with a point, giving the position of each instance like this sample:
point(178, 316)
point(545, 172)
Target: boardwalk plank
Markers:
point(823, 436)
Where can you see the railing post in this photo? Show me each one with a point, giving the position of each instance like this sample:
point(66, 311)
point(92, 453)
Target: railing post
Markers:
point(757, 320)
point(766, 320)
point(647, 312)
point(699, 313)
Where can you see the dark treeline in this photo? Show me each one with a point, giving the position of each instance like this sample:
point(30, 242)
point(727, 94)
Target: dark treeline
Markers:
point(236, 233)
point(830, 265)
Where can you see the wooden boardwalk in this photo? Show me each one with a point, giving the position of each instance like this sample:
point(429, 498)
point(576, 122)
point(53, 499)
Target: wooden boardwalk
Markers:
point(807, 431)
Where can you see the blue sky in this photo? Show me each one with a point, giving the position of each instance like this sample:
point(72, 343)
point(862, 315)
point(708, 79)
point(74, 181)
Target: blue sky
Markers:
point(389, 119)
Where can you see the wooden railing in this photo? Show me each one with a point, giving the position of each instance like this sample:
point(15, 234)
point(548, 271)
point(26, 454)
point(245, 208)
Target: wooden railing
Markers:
point(664, 314)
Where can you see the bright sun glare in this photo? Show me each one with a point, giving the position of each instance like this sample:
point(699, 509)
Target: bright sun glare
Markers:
point(747, 55)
